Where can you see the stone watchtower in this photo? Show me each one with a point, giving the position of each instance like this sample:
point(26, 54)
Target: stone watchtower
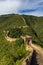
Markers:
point(27, 39)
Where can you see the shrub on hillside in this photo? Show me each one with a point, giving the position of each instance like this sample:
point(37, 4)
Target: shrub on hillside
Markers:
point(15, 33)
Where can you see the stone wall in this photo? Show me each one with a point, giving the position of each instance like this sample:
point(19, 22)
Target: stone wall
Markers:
point(27, 60)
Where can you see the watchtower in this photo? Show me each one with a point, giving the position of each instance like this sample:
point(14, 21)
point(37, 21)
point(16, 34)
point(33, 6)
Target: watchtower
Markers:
point(27, 39)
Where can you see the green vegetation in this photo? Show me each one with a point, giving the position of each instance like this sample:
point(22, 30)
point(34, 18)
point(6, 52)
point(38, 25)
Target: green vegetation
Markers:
point(15, 33)
point(13, 53)
point(35, 28)
point(11, 21)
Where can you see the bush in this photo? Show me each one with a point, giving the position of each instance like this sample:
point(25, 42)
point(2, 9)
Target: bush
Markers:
point(15, 33)
point(19, 51)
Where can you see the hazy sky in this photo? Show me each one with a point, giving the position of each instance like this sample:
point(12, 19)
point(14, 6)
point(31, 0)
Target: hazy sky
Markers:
point(29, 7)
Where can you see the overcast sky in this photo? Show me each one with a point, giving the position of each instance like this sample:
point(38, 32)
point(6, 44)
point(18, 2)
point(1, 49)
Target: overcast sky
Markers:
point(29, 7)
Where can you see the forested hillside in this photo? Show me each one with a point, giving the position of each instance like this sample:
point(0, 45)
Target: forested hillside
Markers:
point(30, 25)
point(36, 28)
point(13, 53)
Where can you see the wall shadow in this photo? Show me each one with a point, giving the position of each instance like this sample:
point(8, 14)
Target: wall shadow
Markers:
point(33, 60)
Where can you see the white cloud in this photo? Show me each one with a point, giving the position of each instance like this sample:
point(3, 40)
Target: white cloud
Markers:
point(8, 6)
point(14, 6)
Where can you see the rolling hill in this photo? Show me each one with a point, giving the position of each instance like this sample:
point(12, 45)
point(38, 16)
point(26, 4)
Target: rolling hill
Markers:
point(30, 25)
point(13, 53)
